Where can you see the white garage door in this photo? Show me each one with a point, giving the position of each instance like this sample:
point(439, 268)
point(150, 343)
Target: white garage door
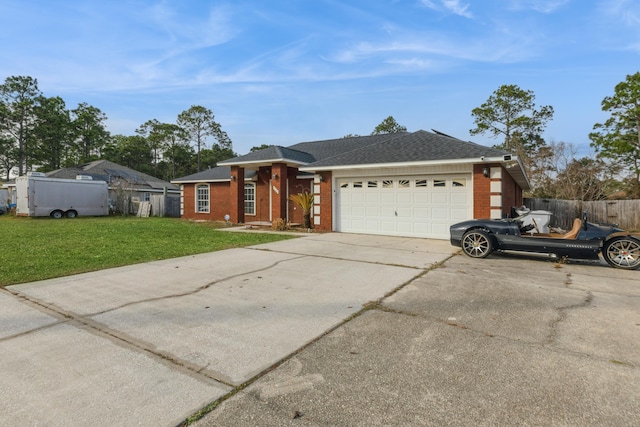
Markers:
point(420, 206)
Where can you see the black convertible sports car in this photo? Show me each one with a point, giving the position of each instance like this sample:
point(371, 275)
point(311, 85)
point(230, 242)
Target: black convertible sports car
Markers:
point(479, 237)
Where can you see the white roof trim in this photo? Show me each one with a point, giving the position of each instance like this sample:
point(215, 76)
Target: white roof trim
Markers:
point(203, 181)
point(399, 165)
point(261, 162)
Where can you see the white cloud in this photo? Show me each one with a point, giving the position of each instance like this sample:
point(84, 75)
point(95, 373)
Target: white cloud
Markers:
point(451, 6)
point(542, 6)
point(627, 11)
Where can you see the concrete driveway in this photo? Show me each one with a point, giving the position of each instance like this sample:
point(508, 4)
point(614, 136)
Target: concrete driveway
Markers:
point(152, 344)
point(506, 340)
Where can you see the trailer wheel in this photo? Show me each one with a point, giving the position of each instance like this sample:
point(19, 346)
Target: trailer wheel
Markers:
point(71, 214)
point(57, 214)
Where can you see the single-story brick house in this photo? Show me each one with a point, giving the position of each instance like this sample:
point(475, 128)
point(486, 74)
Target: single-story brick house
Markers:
point(401, 184)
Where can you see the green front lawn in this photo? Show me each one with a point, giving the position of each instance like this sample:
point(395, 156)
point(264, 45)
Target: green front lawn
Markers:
point(41, 248)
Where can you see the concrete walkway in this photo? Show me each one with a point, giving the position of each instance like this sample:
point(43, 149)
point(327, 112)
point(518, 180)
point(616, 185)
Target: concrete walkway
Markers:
point(153, 343)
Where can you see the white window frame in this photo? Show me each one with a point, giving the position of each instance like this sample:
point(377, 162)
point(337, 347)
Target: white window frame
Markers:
point(250, 198)
point(203, 205)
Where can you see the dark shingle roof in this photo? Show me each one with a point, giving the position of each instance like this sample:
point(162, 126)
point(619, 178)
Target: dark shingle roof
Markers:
point(272, 153)
point(220, 173)
point(405, 147)
point(399, 147)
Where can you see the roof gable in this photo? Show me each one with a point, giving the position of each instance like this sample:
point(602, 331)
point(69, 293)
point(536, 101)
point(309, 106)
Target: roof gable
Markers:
point(272, 154)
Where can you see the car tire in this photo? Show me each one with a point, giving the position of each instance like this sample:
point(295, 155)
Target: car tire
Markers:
point(477, 244)
point(71, 214)
point(56, 214)
point(622, 252)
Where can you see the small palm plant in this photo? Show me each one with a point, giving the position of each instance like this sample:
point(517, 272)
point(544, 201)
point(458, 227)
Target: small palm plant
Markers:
point(305, 201)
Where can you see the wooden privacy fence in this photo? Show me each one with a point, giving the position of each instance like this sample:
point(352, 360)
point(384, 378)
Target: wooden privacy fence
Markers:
point(624, 213)
point(165, 205)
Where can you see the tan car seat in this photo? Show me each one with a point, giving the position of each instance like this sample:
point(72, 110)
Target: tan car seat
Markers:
point(577, 223)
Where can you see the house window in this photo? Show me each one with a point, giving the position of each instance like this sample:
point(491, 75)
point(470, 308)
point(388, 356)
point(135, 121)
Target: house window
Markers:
point(202, 198)
point(387, 183)
point(357, 184)
point(250, 198)
point(421, 182)
point(146, 197)
point(403, 183)
point(439, 183)
point(460, 182)
point(372, 184)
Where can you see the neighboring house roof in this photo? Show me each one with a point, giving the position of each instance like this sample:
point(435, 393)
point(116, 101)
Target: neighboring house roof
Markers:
point(104, 170)
point(220, 173)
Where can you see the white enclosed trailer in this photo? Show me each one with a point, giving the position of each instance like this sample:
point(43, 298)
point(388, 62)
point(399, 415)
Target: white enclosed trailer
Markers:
point(38, 195)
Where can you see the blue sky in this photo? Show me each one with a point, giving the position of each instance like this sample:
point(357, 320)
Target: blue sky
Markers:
point(286, 71)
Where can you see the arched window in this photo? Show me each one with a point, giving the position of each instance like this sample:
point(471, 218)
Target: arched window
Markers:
point(202, 198)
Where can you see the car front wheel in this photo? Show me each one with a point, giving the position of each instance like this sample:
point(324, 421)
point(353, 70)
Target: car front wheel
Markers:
point(477, 244)
point(622, 252)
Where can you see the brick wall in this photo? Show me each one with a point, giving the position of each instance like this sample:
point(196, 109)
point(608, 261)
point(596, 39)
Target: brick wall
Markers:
point(511, 193)
point(323, 202)
point(218, 202)
point(481, 193)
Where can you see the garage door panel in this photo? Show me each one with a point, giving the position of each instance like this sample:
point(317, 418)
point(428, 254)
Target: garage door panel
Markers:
point(440, 198)
point(421, 206)
point(404, 198)
point(421, 212)
point(404, 227)
point(371, 197)
point(388, 196)
point(372, 212)
point(439, 213)
point(459, 199)
point(387, 226)
point(387, 211)
point(357, 211)
point(459, 214)
point(422, 228)
point(357, 197)
point(404, 212)
point(421, 197)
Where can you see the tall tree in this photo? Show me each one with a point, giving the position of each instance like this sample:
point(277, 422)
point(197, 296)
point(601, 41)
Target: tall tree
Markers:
point(8, 156)
point(260, 147)
point(510, 112)
point(388, 125)
point(90, 132)
point(132, 151)
point(618, 138)
point(211, 156)
point(148, 130)
point(17, 99)
point(199, 124)
point(166, 140)
point(52, 132)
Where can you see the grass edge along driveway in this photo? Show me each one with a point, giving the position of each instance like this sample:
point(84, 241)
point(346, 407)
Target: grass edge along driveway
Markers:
point(43, 248)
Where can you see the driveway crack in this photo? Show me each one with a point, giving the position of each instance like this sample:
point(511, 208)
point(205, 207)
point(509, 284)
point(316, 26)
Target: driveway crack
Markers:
point(562, 315)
